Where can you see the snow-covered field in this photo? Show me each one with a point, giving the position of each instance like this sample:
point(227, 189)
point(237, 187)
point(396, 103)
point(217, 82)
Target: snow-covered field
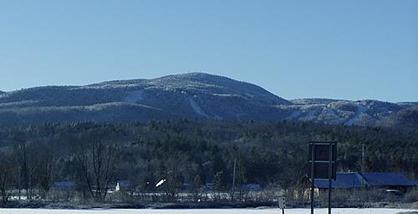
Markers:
point(205, 211)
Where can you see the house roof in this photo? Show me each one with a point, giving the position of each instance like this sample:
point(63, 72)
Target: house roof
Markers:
point(124, 183)
point(386, 179)
point(343, 180)
point(64, 184)
point(251, 187)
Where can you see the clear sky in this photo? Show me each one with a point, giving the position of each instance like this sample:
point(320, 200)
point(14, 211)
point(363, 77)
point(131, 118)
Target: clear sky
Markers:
point(352, 49)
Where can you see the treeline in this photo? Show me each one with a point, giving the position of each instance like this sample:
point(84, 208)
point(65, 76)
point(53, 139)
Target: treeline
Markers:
point(191, 155)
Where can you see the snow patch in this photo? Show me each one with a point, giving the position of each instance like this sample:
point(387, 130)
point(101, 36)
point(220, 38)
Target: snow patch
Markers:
point(360, 113)
point(196, 108)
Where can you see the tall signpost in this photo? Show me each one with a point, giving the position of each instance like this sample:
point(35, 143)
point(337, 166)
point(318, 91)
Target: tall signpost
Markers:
point(311, 150)
point(322, 159)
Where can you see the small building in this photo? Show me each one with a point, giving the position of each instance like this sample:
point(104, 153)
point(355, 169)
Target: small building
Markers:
point(63, 190)
point(344, 180)
point(251, 187)
point(63, 185)
point(122, 185)
point(388, 180)
point(209, 187)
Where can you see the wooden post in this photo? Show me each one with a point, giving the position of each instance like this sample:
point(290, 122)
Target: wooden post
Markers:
point(312, 177)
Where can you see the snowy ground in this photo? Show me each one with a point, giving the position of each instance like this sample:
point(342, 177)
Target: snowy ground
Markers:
point(205, 211)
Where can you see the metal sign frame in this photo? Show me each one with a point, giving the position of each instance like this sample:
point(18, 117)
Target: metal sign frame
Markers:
point(322, 155)
point(325, 153)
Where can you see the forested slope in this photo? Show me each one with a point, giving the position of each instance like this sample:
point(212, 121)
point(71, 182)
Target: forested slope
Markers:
point(193, 152)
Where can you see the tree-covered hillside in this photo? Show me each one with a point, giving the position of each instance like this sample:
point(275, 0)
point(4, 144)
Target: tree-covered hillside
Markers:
point(192, 96)
point(189, 152)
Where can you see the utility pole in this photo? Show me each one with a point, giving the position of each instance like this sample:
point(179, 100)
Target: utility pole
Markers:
point(233, 178)
point(235, 155)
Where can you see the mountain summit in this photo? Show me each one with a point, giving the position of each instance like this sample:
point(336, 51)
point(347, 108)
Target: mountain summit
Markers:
point(190, 95)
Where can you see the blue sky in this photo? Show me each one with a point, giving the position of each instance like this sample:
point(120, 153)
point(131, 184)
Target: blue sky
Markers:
point(353, 49)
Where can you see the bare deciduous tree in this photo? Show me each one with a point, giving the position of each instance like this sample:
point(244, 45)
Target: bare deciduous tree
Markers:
point(95, 160)
point(6, 177)
point(44, 167)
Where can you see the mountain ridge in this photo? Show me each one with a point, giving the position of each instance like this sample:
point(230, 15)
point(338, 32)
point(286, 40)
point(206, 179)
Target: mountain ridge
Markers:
point(189, 95)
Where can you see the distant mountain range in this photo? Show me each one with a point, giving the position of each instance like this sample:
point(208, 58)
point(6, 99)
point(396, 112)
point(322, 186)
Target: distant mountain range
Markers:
point(194, 96)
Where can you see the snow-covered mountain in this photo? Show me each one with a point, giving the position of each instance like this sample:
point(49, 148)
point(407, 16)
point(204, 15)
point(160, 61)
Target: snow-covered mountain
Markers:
point(191, 95)
point(362, 112)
